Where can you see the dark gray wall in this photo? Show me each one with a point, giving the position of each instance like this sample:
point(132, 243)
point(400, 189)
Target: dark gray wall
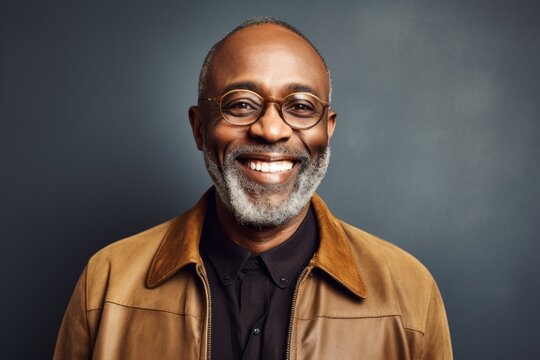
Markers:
point(436, 147)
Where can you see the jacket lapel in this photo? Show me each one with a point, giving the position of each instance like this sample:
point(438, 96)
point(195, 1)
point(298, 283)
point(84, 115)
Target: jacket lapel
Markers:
point(180, 247)
point(334, 255)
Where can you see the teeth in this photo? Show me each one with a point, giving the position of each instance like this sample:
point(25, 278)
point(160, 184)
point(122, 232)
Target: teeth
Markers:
point(270, 167)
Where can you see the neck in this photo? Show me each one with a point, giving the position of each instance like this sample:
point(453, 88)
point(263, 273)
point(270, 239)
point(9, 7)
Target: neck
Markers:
point(256, 240)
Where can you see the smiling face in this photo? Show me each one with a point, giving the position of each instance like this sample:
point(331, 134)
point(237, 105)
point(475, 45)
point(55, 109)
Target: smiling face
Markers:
point(266, 172)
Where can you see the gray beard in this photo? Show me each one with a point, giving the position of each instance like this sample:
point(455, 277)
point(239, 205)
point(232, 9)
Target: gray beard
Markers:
point(258, 211)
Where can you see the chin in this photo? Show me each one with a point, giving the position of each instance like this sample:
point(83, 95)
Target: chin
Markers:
point(270, 198)
point(264, 205)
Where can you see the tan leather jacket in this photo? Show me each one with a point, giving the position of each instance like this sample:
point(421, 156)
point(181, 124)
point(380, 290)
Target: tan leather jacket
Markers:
point(147, 297)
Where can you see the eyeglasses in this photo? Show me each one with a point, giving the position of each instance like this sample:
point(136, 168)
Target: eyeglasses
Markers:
point(299, 110)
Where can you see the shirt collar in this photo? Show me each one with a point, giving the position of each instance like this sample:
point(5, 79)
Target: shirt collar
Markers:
point(180, 248)
point(284, 262)
point(226, 257)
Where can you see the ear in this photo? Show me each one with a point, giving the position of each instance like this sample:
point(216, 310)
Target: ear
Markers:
point(331, 123)
point(195, 120)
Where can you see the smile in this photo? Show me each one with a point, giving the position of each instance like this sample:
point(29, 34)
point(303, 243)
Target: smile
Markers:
point(269, 166)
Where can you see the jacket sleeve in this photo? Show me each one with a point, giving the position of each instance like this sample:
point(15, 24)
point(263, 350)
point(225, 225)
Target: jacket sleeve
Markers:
point(74, 338)
point(436, 343)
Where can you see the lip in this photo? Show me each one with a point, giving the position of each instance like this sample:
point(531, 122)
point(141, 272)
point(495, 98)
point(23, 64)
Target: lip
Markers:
point(274, 178)
point(268, 157)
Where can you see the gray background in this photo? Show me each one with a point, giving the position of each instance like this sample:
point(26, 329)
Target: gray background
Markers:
point(436, 147)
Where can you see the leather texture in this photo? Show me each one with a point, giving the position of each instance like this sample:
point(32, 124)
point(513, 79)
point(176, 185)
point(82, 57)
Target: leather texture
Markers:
point(146, 297)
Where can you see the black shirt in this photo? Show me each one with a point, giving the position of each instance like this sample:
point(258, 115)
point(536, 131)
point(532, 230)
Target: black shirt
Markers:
point(251, 294)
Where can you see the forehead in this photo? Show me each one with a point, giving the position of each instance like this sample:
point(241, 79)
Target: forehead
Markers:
point(270, 58)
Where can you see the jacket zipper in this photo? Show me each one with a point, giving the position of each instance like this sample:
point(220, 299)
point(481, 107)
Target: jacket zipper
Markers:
point(202, 275)
point(293, 308)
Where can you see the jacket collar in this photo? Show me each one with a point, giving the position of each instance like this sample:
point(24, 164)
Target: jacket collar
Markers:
point(180, 247)
point(334, 255)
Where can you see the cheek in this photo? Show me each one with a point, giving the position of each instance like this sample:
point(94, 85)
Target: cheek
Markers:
point(316, 139)
point(219, 138)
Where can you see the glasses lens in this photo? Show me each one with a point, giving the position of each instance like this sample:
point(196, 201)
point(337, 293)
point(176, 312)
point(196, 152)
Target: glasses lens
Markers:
point(302, 110)
point(241, 107)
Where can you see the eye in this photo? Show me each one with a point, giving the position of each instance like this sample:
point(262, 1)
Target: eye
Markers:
point(303, 107)
point(240, 107)
point(300, 108)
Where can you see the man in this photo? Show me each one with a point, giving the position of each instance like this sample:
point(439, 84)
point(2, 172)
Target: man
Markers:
point(259, 268)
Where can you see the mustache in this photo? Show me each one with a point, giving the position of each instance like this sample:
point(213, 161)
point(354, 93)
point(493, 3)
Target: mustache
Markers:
point(301, 155)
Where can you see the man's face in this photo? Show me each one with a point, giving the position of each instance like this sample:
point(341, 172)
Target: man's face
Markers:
point(266, 172)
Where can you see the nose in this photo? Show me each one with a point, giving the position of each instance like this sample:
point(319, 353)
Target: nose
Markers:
point(270, 127)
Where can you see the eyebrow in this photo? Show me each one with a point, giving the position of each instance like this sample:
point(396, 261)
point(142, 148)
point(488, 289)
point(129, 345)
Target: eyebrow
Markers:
point(242, 85)
point(252, 86)
point(297, 87)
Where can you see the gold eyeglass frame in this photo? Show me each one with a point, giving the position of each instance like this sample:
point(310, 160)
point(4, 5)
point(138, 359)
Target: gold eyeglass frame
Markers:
point(264, 100)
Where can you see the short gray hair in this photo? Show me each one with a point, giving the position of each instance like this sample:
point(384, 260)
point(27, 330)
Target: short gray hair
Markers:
point(258, 20)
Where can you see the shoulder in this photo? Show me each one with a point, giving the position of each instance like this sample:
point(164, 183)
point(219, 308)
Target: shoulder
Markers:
point(375, 253)
point(119, 270)
point(131, 249)
point(396, 280)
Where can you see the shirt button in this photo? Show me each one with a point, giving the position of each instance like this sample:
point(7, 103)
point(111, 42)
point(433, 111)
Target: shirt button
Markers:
point(284, 281)
point(256, 331)
point(227, 277)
